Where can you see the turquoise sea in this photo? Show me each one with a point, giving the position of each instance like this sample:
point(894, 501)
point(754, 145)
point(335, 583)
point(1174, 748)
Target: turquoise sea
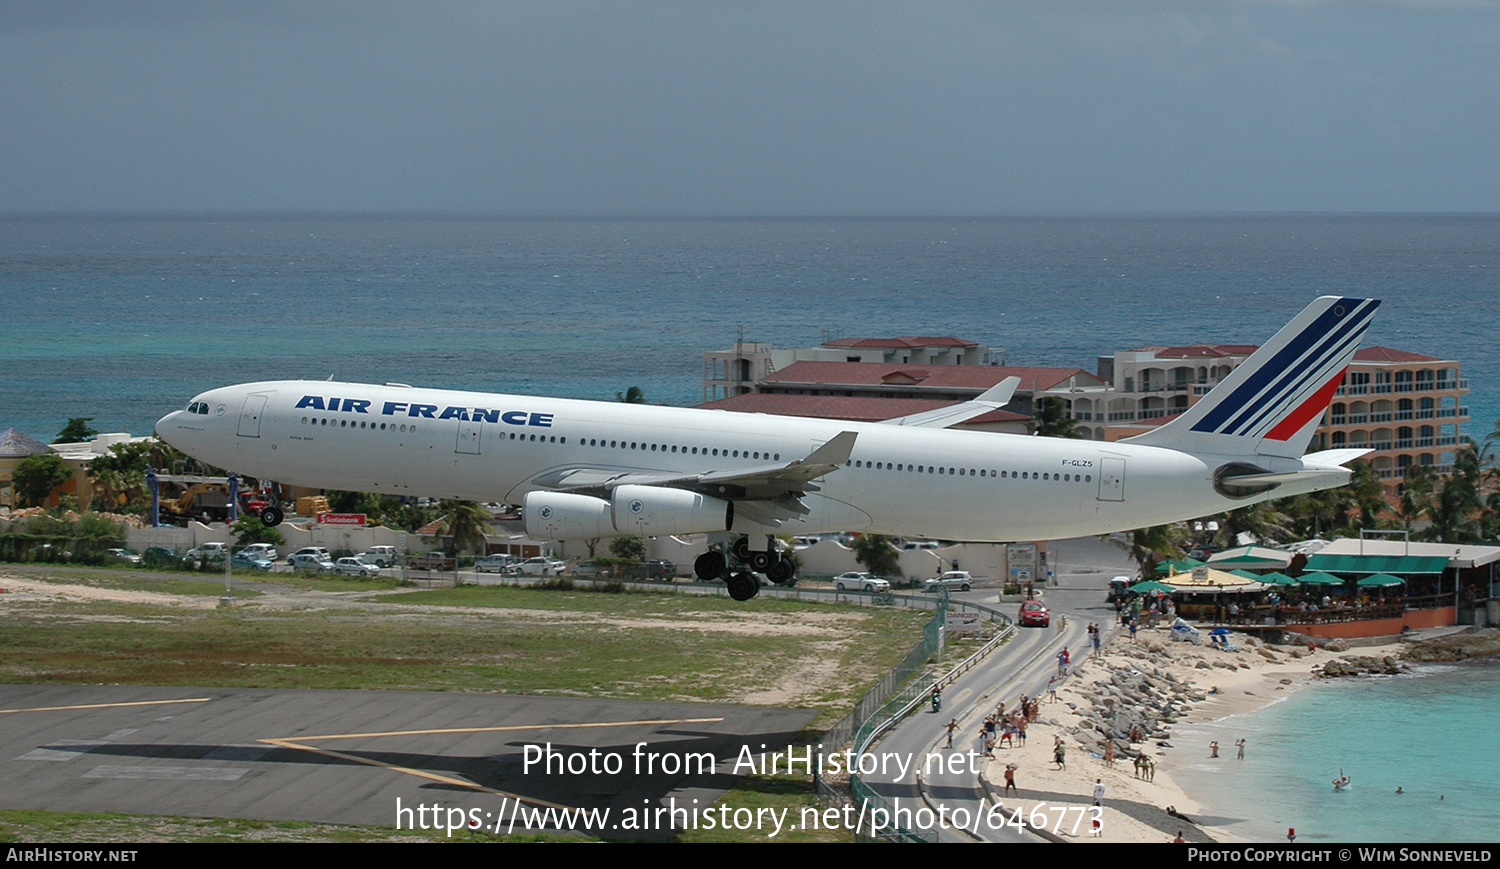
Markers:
point(1431, 733)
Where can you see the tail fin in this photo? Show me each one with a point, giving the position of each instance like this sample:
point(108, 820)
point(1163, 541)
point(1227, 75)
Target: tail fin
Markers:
point(1271, 404)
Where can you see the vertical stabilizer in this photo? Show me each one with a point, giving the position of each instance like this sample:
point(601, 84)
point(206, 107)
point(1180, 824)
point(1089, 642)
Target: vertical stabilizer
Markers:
point(1271, 404)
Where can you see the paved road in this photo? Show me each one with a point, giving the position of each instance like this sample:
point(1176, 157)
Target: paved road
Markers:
point(1023, 665)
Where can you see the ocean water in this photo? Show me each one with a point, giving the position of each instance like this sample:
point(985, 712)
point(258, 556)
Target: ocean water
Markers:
point(125, 318)
point(1431, 733)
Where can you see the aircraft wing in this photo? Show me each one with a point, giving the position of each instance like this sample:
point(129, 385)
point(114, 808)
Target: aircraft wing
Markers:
point(994, 398)
point(766, 493)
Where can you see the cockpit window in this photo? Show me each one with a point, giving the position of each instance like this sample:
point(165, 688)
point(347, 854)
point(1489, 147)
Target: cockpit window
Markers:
point(200, 407)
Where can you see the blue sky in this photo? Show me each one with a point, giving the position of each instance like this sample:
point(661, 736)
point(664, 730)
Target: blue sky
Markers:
point(750, 108)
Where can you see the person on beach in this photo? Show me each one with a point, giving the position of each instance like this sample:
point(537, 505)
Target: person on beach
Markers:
point(1060, 754)
point(1109, 754)
point(1098, 791)
point(1240, 744)
point(952, 725)
point(1213, 749)
point(1010, 780)
point(1052, 688)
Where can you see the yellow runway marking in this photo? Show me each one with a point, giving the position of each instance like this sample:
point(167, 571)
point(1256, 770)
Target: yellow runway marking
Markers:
point(106, 705)
point(286, 743)
point(293, 742)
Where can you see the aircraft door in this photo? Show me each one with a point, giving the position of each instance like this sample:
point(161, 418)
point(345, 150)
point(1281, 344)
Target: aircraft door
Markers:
point(1111, 479)
point(255, 405)
point(469, 431)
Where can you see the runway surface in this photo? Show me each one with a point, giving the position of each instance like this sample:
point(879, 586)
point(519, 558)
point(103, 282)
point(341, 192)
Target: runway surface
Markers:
point(347, 757)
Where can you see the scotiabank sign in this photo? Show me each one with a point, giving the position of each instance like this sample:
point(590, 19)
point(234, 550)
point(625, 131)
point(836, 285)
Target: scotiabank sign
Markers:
point(341, 518)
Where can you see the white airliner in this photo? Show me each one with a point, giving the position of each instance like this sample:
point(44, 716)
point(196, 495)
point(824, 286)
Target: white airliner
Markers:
point(586, 469)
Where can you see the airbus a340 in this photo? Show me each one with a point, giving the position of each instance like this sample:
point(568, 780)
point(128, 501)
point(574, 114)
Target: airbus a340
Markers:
point(585, 469)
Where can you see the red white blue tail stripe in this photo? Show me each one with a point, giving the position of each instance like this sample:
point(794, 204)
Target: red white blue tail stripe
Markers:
point(1271, 403)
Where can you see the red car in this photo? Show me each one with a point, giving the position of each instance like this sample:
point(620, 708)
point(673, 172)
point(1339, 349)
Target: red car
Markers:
point(1034, 612)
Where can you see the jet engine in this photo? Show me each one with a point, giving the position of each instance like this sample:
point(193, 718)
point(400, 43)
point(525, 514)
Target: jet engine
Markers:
point(645, 511)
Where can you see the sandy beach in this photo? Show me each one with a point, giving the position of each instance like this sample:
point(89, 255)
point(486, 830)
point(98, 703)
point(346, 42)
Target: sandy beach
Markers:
point(1134, 808)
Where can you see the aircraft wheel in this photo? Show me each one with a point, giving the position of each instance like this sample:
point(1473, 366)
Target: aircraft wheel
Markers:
point(710, 566)
point(761, 561)
point(741, 548)
point(782, 571)
point(272, 516)
point(743, 586)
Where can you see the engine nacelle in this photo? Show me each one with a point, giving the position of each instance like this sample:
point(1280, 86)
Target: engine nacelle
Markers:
point(643, 511)
point(564, 516)
point(650, 511)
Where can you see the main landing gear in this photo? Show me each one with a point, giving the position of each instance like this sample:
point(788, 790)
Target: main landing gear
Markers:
point(745, 584)
point(271, 516)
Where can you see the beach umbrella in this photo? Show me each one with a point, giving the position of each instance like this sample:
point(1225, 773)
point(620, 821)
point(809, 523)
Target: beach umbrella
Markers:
point(1318, 577)
point(1184, 565)
point(1151, 585)
point(1278, 578)
point(1380, 580)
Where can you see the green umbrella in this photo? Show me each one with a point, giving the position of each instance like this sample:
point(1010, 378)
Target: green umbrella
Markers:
point(1380, 580)
point(1278, 578)
point(1185, 565)
point(1318, 577)
point(1151, 585)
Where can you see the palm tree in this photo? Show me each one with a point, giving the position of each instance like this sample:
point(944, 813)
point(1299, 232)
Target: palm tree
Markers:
point(1417, 484)
point(1262, 521)
point(1455, 511)
point(1147, 546)
point(467, 523)
point(877, 554)
point(633, 395)
point(1052, 420)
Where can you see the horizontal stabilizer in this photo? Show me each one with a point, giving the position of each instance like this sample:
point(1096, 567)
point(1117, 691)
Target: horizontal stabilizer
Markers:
point(994, 398)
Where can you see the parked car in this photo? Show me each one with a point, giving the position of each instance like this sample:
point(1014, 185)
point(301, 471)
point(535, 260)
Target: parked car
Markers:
point(242, 561)
point(123, 555)
point(260, 550)
point(953, 580)
point(311, 561)
point(538, 566)
point(1119, 589)
point(588, 569)
point(494, 563)
point(859, 580)
point(1034, 613)
point(208, 552)
point(354, 567)
point(310, 550)
point(385, 556)
point(161, 556)
point(659, 569)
